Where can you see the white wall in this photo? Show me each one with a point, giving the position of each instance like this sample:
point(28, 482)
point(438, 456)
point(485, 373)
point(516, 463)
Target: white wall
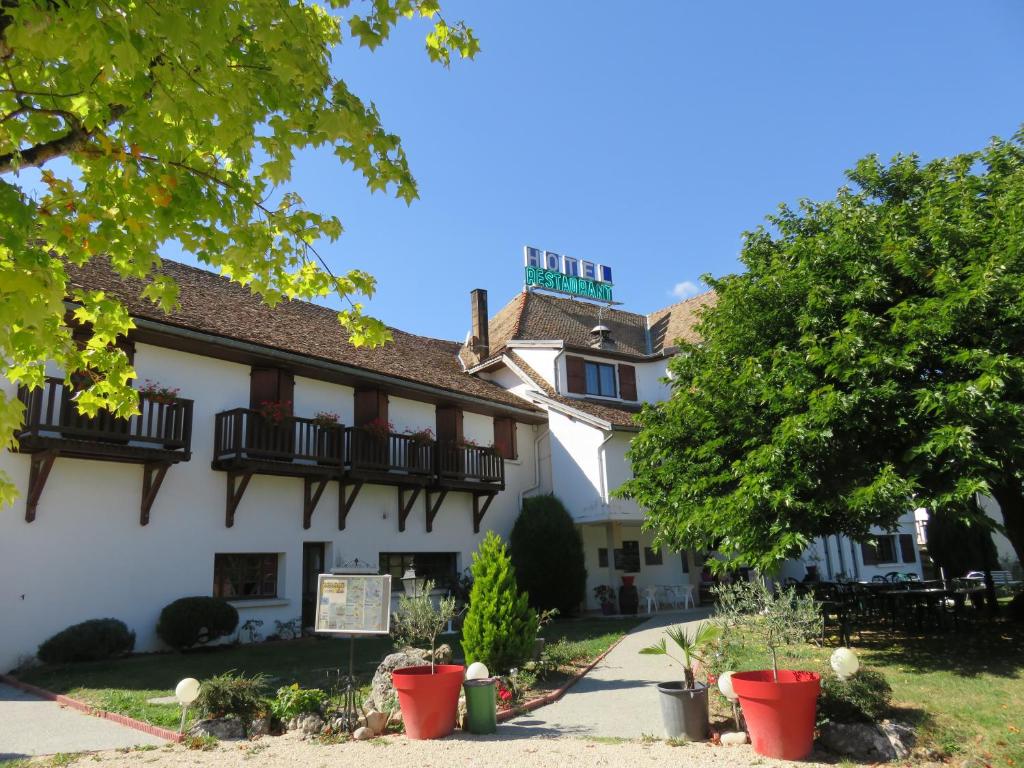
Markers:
point(576, 466)
point(1008, 559)
point(541, 360)
point(86, 556)
point(649, 385)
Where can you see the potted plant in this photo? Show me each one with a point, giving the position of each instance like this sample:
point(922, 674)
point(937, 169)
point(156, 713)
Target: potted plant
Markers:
point(684, 703)
point(779, 705)
point(606, 596)
point(328, 437)
point(629, 597)
point(428, 695)
point(158, 393)
point(420, 441)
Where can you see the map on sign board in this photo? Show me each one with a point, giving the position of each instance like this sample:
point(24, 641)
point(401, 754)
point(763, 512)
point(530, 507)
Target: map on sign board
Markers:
point(353, 604)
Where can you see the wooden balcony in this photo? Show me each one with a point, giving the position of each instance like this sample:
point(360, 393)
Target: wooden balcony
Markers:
point(469, 467)
point(291, 446)
point(391, 459)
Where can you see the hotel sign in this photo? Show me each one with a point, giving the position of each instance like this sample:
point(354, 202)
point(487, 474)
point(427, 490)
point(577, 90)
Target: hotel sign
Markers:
point(567, 274)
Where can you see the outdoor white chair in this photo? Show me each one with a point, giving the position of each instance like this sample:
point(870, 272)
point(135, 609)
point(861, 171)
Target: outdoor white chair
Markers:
point(651, 595)
point(672, 596)
point(687, 596)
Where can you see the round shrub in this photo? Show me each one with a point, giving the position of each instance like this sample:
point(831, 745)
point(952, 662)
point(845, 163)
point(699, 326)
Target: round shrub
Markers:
point(91, 640)
point(194, 620)
point(232, 693)
point(864, 698)
point(547, 553)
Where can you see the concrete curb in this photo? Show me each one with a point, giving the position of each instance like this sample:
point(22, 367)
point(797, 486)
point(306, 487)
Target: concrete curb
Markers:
point(114, 717)
point(555, 695)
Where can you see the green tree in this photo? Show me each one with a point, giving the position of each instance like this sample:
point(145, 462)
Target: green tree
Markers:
point(176, 122)
point(547, 553)
point(500, 626)
point(869, 361)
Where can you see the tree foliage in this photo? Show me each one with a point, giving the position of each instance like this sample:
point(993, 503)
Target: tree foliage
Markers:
point(866, 363)
point(500, 626)
point(547, 553)
point(176, 122)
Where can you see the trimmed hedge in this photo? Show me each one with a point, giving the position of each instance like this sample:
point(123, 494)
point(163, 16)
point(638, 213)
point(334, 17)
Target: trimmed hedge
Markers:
point(193, 621)
point(547, 553)
point(91, 640)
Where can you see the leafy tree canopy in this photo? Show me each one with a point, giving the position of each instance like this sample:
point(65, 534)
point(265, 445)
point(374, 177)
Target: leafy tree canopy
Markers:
point(868, 361)
point(179, 122)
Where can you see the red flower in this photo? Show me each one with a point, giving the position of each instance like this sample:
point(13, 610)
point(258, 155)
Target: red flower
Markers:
point(505, 695)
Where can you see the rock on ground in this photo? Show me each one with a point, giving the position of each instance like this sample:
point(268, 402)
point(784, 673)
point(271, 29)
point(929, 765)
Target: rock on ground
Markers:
point(382, 690)
point(868, 741)
point(221, 728)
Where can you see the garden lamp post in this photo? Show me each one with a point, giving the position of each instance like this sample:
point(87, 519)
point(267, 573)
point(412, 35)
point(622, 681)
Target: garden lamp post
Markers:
point(725, 686)
point(186, 692)
point(412, 584)
point(844, 663)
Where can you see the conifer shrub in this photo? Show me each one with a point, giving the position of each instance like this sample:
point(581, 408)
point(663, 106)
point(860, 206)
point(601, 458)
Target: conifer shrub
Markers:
point(195, 620)
point(500, 626)
point(91, 640)
point(547, 553)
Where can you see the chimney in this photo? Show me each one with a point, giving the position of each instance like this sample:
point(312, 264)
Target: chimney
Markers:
point(601, 337)
point(480, 340)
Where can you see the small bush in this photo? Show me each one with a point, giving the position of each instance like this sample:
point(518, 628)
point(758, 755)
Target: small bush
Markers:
point(547, 553)
point(864, 698)
point(234, 694)
point(293, 700)
point(565, 653)
point(194, 620)
point(91, 640)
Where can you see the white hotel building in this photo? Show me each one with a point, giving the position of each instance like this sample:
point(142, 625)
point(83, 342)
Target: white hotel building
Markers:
point(206, 497)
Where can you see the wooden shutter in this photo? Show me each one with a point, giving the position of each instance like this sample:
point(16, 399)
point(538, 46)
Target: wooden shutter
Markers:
point(270, 384)
point(575, 375)
point(449, 424)
point(505, 437)
point(370, 405)
point(908, 551)
point(627, 382)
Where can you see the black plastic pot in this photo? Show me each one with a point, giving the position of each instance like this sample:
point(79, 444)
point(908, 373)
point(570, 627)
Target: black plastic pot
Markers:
point(629, 600)
point(684, 711)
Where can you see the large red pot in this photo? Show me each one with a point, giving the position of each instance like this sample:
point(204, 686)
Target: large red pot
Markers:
point(779, 715)
point(429, 702)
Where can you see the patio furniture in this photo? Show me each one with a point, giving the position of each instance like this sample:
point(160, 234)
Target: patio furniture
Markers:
point(651, 596)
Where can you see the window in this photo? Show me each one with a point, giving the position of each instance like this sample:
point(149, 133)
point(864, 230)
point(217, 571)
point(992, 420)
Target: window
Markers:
point(880, 551)
point(602, 557)
point(438, 567)
point(652, 556)
point(600, 379)
point(248, 576)
point(628, 557)
point(908, 552)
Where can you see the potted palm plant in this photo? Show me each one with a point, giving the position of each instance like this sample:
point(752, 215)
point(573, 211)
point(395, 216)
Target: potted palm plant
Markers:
point(779, 705)
point(684, 703)
point(428, 695)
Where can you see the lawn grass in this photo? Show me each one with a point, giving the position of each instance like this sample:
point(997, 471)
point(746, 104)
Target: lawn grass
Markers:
point(963, 690)
point(124, 685)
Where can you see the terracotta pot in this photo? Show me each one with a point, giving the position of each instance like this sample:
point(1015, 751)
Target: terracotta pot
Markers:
point(779, 715)
point(429, 702)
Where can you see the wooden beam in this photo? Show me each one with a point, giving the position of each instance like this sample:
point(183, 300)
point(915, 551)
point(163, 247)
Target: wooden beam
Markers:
point(478, 511)
point(235, 493)
point(433, 505)
point(345, 503)
point(405, 505)
point(152, 477)
point(311, 497)
point(39, 470)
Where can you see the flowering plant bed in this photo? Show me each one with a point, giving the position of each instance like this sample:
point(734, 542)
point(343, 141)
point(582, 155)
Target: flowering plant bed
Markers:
point(275, 411)
point(380, 429)
point(159, 393)
point(326, 419)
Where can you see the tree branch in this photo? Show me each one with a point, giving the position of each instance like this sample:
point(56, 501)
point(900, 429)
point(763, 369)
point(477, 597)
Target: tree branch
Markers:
point(38, 155)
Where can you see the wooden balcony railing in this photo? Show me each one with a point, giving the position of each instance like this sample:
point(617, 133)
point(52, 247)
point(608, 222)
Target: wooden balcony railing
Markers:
point(373, 451)
point(50, 411)
point(242, 433)
point(470, 462)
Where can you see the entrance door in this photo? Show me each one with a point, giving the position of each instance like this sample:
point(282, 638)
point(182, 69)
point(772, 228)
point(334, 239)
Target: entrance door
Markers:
point(312, 566)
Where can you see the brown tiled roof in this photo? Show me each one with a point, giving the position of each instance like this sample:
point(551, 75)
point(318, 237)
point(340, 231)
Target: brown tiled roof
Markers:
point(213, 304)
point(618, 415)
point(677, 322)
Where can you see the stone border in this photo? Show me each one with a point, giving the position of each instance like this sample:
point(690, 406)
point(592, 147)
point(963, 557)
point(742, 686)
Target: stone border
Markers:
point(67, 701)
point(555, 695)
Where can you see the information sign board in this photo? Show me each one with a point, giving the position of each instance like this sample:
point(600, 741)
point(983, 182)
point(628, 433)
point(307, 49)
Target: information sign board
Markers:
point(353, 604)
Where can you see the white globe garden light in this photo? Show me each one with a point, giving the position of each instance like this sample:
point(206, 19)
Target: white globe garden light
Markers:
point(477, 671)
point(725, 686)
point(187, 691)
point(844, 663)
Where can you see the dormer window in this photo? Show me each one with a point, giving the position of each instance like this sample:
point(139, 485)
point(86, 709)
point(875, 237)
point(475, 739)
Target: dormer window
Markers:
point(600, 379)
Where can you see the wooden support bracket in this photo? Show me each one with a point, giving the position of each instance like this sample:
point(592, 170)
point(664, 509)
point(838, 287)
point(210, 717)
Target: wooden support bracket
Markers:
point(152, 477)
point(312, 490)
point(345, 502)
point(480, 511)
point(238, 481)
point(433, 505)
point(405, 505)
point(38, 471)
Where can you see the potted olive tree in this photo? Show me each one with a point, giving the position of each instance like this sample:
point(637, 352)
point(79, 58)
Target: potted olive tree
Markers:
point(428, 695)
point(684, 703)
point(779, 705)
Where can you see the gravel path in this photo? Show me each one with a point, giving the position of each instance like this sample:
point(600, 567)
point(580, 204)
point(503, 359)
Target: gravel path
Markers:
point(520, 747)
point(30, 726)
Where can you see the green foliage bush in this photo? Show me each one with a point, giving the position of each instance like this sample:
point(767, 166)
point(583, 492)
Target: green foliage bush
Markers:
point(293, 700)
point(547, 553)
point(190, 621)
point(500, 627)
point(91, 640)
point(232, 693)
point(864, 698)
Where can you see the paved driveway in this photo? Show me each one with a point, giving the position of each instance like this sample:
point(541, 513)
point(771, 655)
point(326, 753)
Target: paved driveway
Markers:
point(30, 726)
point(617, 698)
